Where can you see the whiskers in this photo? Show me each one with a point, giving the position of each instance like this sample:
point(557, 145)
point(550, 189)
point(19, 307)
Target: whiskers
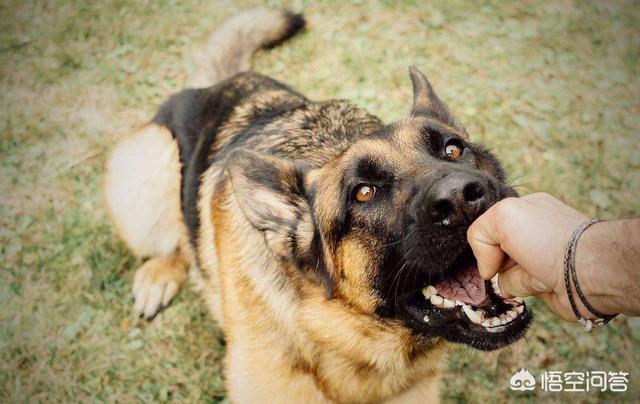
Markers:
point(516, 183)
point(403, 269)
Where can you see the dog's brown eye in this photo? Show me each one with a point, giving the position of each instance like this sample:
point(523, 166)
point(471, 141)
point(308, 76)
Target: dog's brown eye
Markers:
point(453, 151)
point(365, 192)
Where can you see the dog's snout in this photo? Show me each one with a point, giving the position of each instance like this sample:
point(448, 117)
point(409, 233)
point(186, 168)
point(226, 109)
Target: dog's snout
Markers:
point(454, 200)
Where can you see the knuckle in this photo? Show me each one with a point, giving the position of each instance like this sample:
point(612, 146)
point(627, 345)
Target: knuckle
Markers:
point(505, 210)
point(542, 196)
point(472, 230)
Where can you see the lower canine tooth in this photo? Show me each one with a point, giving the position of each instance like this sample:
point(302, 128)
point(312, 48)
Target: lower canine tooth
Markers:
point(448, 304)
point(496, 285)
point(473, 315)
point(437, 300)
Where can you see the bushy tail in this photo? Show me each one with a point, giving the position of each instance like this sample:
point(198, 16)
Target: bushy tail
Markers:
point(229, 49)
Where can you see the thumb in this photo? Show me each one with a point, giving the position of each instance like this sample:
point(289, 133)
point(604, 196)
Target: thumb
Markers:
point(516, 281)
point(485, 243)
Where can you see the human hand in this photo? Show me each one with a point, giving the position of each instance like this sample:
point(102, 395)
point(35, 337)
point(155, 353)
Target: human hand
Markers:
point(525, 240)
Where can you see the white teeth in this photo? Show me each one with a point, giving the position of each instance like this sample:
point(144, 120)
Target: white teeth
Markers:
point(499, 323)
point(473, 315)
point(429, 291)
point(436, 300)
point(448, 304)
point(495, 285)
point(494, 324)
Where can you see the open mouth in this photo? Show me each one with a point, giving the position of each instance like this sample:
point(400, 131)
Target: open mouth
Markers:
point(462, 307)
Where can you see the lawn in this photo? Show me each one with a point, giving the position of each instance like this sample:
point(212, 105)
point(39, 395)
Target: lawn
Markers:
point(553, 87)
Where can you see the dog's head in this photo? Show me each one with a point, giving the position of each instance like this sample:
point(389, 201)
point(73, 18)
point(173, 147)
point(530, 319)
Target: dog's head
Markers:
point(383, 225)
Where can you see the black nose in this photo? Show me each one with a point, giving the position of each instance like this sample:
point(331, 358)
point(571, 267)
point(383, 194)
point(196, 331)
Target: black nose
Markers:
point(456, 199)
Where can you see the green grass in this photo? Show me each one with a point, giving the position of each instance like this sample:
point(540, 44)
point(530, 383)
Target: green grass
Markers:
point(552, 87)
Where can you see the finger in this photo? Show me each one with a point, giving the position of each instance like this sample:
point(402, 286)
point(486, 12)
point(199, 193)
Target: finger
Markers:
point(518, 282)
point(485, 244)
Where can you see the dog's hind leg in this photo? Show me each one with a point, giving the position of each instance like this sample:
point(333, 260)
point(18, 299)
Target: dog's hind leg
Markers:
point(142, 190)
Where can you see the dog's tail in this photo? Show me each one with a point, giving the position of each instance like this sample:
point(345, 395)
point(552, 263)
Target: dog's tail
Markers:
point(229, 49)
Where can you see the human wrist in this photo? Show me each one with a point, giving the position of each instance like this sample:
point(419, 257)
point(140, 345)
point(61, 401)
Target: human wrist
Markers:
point(605, 284)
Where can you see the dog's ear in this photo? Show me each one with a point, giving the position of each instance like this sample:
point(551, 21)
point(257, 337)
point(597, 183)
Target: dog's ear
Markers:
point(426, 102)
point(271, 194)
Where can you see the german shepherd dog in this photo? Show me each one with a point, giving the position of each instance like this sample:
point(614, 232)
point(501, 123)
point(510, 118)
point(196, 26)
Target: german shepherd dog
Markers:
point(331, 248)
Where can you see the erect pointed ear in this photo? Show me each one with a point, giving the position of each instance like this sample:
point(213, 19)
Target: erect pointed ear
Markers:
point(426, 102)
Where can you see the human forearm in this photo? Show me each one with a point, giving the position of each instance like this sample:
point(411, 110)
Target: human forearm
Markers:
point(608, 266)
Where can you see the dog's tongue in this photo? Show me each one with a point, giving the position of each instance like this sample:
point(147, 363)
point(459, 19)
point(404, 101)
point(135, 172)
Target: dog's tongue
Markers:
point(465, 285)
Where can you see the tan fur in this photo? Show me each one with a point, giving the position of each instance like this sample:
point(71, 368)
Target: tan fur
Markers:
point(356, 261)
point(157, 282)
point(315, 347)
point(207, 278)
point(143, 171)
point(142, 191)
point(229, 49)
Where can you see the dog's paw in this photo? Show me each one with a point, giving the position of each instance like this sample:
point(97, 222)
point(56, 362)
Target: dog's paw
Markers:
point(156, 283)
